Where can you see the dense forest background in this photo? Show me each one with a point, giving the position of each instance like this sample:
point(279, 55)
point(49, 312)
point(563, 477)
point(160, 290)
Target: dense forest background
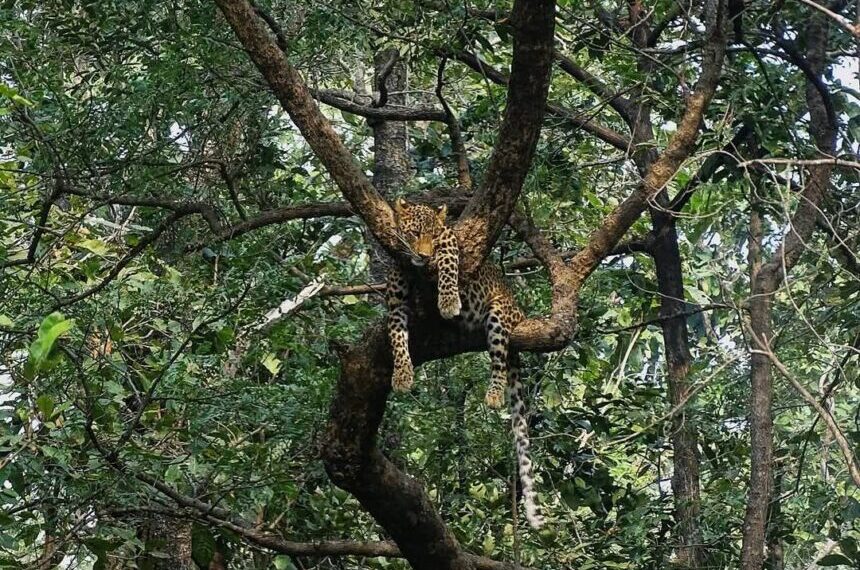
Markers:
point(191, 363)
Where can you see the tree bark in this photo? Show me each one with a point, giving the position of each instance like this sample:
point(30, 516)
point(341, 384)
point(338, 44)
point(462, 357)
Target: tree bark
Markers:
point(488, 211)
point(391, 165)
point(765, 279)
point(666, 254)
point(685, 475)
point(170, 538)
point(761, 400)
point(291, 91)
point(354, 462)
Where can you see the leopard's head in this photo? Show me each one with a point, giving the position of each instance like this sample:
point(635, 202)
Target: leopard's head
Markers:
point(417, 228)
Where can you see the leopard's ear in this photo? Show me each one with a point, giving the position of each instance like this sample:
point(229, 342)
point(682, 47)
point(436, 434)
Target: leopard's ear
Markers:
point(442, 213)
point(400, 207)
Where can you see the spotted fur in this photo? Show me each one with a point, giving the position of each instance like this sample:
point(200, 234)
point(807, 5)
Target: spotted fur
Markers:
point(485, 303)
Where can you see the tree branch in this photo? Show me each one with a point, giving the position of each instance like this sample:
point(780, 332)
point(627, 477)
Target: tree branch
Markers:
point(622, 105)
point(680, 147)
point(144, 242)
point(178, 207)
point(479, 226)
point(605, 134)
point(291, 91)
point(823, 128)
point(841, 441)
point(339, 100)
point(464, 177)
point(842, 21)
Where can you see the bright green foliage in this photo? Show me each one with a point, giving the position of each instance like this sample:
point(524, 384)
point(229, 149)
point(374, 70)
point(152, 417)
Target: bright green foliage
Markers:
point(166, 366)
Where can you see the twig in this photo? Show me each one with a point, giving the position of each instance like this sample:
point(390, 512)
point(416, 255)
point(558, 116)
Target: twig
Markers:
point(664, 318)
point(799, 162)
point(681, 405)
point(842, 21)
point(135, 251)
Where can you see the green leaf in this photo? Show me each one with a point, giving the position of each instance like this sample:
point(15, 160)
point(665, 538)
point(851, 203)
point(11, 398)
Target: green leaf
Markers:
point(272, 363)
point(5, 321)
point(202, 545)
point(100, 547)
point(96, 246)
point(52, 327)
point(172, 474)
point(283, 562)
point(489, 544)
point(835, 560)
point(45, 404)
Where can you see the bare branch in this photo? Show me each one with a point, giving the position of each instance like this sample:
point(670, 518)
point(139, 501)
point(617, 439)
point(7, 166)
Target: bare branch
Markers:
point(178, 207)
point(801, 162)
point(318, 548)
point(313, 210)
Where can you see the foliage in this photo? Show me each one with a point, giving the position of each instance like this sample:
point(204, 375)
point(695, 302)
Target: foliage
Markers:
point(163, 362)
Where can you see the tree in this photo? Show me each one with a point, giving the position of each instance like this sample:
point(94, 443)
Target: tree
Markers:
point(174, 172)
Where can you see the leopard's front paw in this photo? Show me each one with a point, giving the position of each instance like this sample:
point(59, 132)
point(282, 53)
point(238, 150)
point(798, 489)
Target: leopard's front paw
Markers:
point(401, 380)
point(494, 398)
point(449, 306)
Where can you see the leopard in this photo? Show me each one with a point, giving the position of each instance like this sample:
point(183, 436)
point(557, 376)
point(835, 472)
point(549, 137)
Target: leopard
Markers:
point(483, 303)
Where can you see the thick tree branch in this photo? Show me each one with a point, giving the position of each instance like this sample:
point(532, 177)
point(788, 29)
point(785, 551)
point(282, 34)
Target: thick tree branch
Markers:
point(680, 147)
point(339, 100)
point(291, 91)
point(478, 227)
point(823, 127)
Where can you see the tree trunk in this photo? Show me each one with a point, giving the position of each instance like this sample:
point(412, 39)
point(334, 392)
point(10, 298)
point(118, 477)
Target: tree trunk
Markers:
point(685, 475)
point(354, 462)
point(760, 419)
point(167, 543)
point(766, 278)
point(670, 286)
point(775, 551)
point(391, 166)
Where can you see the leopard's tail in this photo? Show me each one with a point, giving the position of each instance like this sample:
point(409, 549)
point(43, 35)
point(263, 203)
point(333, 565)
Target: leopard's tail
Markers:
point(521, 440)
